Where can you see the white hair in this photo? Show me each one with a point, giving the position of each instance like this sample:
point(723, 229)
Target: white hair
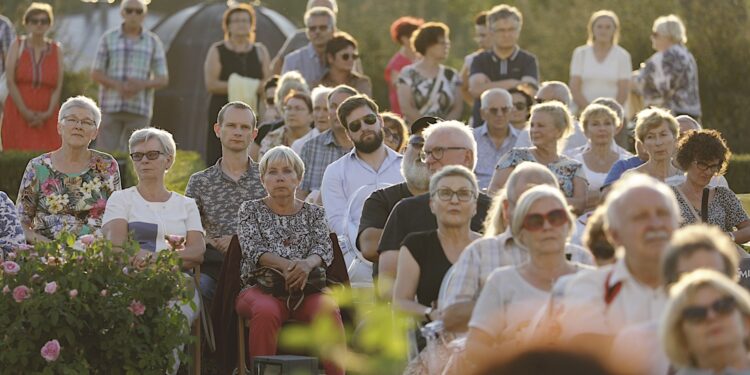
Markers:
point(83, 102)
point(672, 27)
point(164, 137)
point(331, 3)
point(616, 199)
point(528, 173)
point(562, 91)
point(456, 127)
point(485, 98)
point(142, 2)
point(321, 12)
point(318, 91)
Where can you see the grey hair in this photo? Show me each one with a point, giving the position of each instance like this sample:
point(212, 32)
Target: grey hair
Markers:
point(617, 197)
point(528, 173)
point(318, 91)
point(321, 12)
point(282, 153)
point(83, 102)
point(334, 6)
point(561, 89)
point(530, 197)
point(672, 27)
point(454, 170)
point(485, 98)
point(458, 127)
point(142, 2)
point(291, 80)
point(164, 137)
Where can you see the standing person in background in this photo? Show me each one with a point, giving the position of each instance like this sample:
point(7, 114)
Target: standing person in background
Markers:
point(506, 65)
point(310, 61)
point(428, 88)
point(481, 38)
point(7, 35)
point(299, 39)
point(271, 112)
point(237, 55)
point(601, 68)
point(341, 55)
point(321, 122)
point(401, 32)
point(496, 137)
point(34, 77)
point(130, 63)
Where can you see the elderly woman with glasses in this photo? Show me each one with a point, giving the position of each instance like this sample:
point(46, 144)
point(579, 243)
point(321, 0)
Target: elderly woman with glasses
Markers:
point(298, 121)
point(706, 326)
point(341, 55)
point(512, 295)
point(703, 154)
point(291, 236)
point(67, 189)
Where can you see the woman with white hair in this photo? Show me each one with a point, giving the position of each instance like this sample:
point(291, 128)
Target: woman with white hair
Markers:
point(67, 189)
point(706, 326)
point(669, 78)
point(512, 295)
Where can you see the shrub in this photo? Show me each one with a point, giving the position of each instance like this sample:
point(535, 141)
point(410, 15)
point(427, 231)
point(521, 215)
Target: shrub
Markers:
point(737, 176)
point(66, 311)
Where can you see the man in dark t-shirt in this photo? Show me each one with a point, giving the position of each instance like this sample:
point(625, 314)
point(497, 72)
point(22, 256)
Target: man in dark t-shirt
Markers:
point(505, 65)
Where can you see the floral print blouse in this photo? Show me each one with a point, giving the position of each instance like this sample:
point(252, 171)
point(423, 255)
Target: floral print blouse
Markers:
point(565, 168)
point(50, 201)
point(260, 231)
point(669, 79)
point(11, 232)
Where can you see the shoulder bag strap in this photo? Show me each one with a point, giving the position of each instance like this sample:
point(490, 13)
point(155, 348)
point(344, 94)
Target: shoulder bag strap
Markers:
point(704, 204)
point(433, 91)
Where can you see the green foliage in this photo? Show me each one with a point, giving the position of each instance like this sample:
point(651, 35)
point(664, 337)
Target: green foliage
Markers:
point(97, 331)
point(737, 176)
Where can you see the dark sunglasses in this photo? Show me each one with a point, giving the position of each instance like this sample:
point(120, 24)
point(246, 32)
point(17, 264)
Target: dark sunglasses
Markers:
point(535, 222)
point(355, 125)
point(38, 21)
point(320, 28)
point(446, 195)
point(520, 106)
point(347, 56)
point(497, 111)
point(698, 314)
point(150, 155)
point(133, 10)
point(269, 101)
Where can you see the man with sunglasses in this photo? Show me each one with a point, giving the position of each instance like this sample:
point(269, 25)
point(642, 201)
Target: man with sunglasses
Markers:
point(130, 63)
point(310, 61)
point(371, 162)
point(496, 136)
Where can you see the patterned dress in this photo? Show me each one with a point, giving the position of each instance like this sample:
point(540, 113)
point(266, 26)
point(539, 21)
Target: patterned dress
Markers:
point(421, 87)
point(724, 209)
point(50, 201)
point(11, 233)
point(669, 79)
point(565, 168)
point(296, 236)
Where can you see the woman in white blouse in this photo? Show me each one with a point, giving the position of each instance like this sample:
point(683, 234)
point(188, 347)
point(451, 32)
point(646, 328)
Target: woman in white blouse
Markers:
point(601, 68)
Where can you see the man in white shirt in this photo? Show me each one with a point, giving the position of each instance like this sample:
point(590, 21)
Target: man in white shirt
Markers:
point(370, 163)
point(642, 213)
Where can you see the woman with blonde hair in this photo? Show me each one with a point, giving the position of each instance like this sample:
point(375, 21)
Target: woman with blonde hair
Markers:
point(657, 130)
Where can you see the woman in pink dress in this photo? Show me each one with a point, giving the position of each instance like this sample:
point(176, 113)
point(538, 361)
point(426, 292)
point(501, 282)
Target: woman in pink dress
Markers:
point(401, 30)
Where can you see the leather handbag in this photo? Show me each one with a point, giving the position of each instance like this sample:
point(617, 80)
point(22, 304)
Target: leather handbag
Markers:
point(271, 281)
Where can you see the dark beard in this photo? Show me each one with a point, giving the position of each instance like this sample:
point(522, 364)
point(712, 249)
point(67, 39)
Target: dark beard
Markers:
point(370, 146)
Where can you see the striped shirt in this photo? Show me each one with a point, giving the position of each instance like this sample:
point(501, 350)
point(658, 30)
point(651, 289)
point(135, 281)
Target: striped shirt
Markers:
point(317, 154)
point(123, 58)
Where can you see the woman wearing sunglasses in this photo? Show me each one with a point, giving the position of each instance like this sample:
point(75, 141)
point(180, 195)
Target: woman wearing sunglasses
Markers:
point(425, 257)
point(341, 54)
point(706, 326)
point(512, 295)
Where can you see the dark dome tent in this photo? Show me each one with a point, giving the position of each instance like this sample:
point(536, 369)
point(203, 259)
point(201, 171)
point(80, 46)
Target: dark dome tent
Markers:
point(181, 107)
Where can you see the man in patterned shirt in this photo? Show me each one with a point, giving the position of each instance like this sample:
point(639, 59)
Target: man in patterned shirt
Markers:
point(220, 189)
point(130, 63)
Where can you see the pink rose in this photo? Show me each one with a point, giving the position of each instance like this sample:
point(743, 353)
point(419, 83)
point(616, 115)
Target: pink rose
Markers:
point(73, 293)
point(50, 288)
point(50, 186)
point(21, 293)
point(11, 267)
point(175, 241)
point(137, 308)
point(51, 350)
point(103, 293)
point(87, 240)
point(6, 289)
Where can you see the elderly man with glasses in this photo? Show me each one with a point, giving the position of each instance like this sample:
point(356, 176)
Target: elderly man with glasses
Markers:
point(496, 136)
point(310, 61)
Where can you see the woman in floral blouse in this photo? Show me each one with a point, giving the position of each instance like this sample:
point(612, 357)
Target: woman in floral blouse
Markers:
point(291, 236)
point(11, 233)
point(67, 189)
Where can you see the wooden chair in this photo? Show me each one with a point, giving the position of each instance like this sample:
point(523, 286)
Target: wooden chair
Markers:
point(196, 367)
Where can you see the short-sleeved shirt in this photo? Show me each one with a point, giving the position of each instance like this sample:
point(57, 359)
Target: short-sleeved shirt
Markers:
point(724, 209)
point(488, 154)
point(317, 154)
point(414, 215)
point(565, 168)
point(151, 221)
point(444, 86)
point(519, 64)
point(11, 232)
point(428, 252)
point(306, 61)
point(122, 58)
point(599, 79)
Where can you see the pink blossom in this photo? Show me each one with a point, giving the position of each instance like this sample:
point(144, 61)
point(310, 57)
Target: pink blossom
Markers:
point(50, 186)
point(97, 209)
point(50, 288)
point(6, 289)
point(175, 241)
point(24, 247)
point(21, 293)
point(137, 308)
point(73, 293)
point(125, 270)
point(11, 256)
point(87, 240)
point(11, 267)
point(103, 293)
point(51, 350)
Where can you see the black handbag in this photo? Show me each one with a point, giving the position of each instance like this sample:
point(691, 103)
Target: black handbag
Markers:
point(271, 281)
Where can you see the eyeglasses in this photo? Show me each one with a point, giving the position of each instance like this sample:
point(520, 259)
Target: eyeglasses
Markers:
point(520, 106)
point(437, 152)
point(319, 28)
point(699, 314)
point(355, 125)
point(138, 11)
point(705, 167)
point(38, 21)
point(535, 222)
point(498, 111)
point(71, 121)
point(150, 155)
point(347, 56)
point(446, 195)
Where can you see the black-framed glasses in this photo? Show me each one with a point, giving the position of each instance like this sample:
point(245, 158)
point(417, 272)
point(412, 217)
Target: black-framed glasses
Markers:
point(499, 111)
point(698, 314)
point(72, 121)
point(535, 222)
point(319, 28)
point(355, 125)
point(463, 195)
point(703, 167)
point(347, 56)
point(39, 21)
point(150, 155)
point(520, 106)
point(137, 11)
point(437, 152)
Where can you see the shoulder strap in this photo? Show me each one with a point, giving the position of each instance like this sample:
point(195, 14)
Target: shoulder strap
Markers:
point(610, 292)
point(433, 91)
point(704, 204)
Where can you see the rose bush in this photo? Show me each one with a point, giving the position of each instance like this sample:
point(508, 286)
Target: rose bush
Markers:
point(65, 311)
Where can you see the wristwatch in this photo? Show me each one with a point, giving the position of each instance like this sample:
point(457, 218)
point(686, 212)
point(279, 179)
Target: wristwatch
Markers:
point(427, 314)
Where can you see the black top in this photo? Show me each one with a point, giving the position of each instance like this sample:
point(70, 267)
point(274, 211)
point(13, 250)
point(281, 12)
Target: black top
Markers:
point(266, 128)
point(520, 64)
point(426, 249)
point(379, 205)
point(414, 215)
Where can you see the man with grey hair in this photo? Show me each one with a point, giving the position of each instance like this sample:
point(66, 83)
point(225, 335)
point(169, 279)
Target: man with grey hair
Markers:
point(130, 63)
point(310, 61)
point(595, 305)
point(496, 136)
point(299, 38)
point(486, 254)
point(445, 143)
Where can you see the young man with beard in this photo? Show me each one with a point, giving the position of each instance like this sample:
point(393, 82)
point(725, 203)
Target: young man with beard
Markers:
point(371, 162)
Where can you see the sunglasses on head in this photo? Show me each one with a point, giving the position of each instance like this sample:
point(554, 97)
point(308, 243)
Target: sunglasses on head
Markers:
point(498, 111)
point(150, 155)
point(535, 222)
point(347, 56)
point(355, 125)
point(698, 314)
point(38, 21)
point(320, 28)
point(134, 10)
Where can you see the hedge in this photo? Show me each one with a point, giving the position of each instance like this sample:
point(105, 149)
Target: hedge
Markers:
point(13, 164)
